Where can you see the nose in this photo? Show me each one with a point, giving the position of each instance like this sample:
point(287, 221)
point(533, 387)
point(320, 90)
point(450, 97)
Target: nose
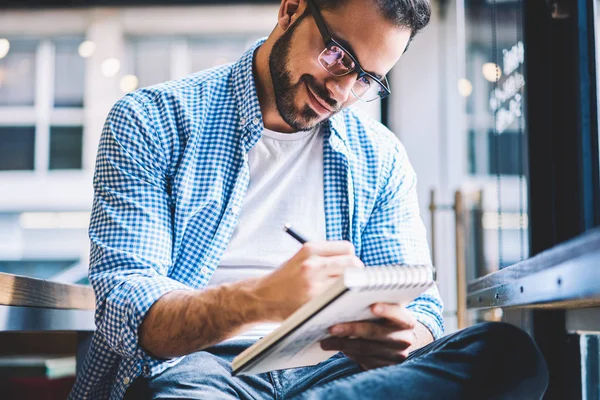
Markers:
point(340, 87)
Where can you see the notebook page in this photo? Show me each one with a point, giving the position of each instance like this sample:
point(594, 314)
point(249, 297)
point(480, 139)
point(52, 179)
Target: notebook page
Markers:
point(302, 348)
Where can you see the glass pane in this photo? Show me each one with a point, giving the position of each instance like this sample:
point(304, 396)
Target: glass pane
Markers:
point(494, 88)
point(597, 39)
point(149, 59)
point(17, 73)
point(41, 269)
point(503, 153)
point(65, 147)
point(17, 144)
point(69, 73)
point(209, 52)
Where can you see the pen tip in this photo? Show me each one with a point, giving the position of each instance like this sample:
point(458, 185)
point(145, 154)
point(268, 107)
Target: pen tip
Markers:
point(287, 226)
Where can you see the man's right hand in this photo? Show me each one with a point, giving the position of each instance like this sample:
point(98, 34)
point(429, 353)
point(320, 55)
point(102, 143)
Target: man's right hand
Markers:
point(306, 275)
point(184, 321)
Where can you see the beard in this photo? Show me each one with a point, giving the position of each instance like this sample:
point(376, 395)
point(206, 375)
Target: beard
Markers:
point(286, 92)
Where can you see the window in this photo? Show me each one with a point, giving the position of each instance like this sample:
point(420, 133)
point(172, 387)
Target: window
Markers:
point(17, 72)
point(65, 147)
point(149, 60)
point(210, 52)
point(41, 122)
point(69, 73)
point(597, 38)
point(17, 148)
point(41, 269)
point(491, 154)
point(494, 91)
point(153, 60)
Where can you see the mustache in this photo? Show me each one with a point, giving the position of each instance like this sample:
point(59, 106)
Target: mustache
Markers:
point(320, 91)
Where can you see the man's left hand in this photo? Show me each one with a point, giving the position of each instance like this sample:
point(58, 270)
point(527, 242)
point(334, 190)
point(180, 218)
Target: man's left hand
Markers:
point(374, 344)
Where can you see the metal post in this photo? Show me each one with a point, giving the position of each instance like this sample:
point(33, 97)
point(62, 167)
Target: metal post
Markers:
point(461, 278)
point(480, 266)
point(432, 209)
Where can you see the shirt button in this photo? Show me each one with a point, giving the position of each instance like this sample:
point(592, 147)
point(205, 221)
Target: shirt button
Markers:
point(204, 270)
point(126, 380)
point(255, 121)
point(235, 210)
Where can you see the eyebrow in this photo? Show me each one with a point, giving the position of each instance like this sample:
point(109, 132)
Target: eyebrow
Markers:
point(348, 46)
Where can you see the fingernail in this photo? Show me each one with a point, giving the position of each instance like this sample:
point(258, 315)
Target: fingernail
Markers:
point(378, 309)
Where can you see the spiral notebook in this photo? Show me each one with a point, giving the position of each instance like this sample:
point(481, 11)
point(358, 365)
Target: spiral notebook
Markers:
point(296, 342)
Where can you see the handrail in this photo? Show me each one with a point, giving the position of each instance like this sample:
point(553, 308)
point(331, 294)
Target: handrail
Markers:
point(17, 290)
point(565, 276)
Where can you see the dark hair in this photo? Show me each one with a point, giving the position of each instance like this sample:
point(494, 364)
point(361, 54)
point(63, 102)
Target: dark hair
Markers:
point(411, 14)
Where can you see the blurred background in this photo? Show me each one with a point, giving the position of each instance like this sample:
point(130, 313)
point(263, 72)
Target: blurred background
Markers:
point(457, 104)
point(62, 68)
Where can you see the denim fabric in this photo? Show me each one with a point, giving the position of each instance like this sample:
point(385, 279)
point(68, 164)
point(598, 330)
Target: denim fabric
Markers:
point(486, 361)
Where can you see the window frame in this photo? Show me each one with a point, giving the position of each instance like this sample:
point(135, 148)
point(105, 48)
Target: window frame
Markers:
point(42, 115)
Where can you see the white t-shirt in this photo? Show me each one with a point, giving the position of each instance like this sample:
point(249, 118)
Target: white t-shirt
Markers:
point(286, 185)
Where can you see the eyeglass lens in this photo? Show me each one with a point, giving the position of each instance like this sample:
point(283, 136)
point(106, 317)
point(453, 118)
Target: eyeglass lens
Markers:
point(338, 63)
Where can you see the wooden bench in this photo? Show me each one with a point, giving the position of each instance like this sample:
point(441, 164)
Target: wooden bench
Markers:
point(43, 317)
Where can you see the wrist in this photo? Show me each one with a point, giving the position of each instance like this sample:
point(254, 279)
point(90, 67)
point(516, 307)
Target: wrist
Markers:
point(422, 335)
point(252, 303)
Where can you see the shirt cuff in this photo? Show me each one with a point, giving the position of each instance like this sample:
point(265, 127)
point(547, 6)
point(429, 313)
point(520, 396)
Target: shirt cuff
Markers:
point(429, 322)
point(126, 307)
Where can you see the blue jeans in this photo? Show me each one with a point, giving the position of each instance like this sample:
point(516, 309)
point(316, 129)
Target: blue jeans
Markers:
point(486, 361)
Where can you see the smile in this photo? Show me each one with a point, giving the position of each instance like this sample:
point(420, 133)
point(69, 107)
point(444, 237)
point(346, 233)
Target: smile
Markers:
point(317, 103)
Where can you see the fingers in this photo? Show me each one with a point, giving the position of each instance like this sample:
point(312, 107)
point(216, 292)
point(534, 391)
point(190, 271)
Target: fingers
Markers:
point(334, 266)
point(330, 266)
point(396, 314)
point(361, 348)
point(328, 259)
point(400, 338)
point(396, 320)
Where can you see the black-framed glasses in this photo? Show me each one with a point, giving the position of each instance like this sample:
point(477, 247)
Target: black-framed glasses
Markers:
point(338, 61)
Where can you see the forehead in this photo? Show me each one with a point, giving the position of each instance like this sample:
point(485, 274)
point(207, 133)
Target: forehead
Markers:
point(376, 42)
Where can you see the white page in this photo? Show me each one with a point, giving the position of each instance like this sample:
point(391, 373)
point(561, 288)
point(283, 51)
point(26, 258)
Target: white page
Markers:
point(302, 348)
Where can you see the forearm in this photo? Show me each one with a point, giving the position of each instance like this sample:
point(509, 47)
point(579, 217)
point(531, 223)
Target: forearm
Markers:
point(182, 322)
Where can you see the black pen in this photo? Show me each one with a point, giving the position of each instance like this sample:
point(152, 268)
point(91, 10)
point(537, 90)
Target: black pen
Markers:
point(288, 228)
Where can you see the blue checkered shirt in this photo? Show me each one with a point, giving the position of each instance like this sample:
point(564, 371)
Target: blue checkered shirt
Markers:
point(171, 175)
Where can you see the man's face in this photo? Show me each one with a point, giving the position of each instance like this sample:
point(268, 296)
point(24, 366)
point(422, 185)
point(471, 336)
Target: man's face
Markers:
point(305, 93)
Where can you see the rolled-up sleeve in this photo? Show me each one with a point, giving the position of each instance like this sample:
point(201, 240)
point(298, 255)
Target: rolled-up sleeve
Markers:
point(130, 228)
point(395, 234)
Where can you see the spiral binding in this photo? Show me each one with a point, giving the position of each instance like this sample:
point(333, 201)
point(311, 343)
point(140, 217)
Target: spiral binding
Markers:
point(397, 277)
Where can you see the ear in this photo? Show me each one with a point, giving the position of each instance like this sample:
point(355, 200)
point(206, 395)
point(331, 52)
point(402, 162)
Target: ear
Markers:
point(289, 11)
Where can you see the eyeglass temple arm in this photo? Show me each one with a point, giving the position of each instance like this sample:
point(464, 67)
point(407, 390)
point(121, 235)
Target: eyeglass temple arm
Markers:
point(319, 21)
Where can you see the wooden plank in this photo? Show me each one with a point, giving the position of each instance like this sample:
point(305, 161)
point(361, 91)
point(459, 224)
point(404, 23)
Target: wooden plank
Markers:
point(559, 254)
point(16, 290)
point(570, 284)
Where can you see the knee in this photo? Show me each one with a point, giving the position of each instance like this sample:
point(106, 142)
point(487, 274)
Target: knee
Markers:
point(512, 354)
point(501, 337)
